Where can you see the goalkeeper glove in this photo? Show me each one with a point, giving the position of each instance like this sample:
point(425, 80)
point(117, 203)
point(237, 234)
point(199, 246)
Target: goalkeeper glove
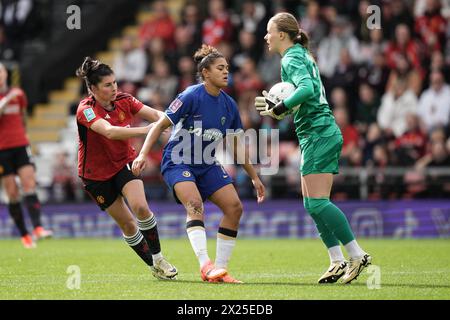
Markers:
point(267, 107)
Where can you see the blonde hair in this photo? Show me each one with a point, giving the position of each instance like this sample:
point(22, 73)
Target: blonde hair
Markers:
point(286, 22)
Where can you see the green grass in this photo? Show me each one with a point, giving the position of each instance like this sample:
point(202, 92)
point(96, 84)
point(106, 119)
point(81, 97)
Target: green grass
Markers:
point(271, 269)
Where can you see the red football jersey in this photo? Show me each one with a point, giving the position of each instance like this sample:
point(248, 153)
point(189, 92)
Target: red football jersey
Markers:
point(12, 128)
point(100, 158)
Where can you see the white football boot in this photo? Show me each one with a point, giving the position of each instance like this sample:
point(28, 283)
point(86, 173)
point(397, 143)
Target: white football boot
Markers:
point(355, 267)
point(334, 272)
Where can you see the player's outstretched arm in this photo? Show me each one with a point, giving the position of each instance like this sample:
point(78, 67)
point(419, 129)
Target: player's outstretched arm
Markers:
point(150, 114)
point(152, 136)
point(109, 131)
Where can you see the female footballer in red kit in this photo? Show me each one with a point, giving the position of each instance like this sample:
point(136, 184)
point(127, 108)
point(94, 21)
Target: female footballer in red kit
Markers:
point(105, 155)
point(16, 160)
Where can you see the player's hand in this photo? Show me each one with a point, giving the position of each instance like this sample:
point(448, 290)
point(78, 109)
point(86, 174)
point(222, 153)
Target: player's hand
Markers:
point(260, 190)
point(138, 165)
point(265, 106)
point(262, 102)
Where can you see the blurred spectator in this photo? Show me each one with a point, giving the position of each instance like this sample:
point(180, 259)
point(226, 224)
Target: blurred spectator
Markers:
point(248, 85)
point(410, 146)
point(403, 70)
point(434, 103)
point(395, 104)
point(331, 46)
point(373, 137)
point(156, 51)
point(161, 81)
point(375, 73)
point(191, 21)
point(160, 25)
point(7, 52)
point(246, 49)
point(253, 19)
point(130, 63)
point(375, 44)
point(349, 134)
point(217, 26)
point(184, 42)
point(14, 15)
point(381, 184)
point(421, 5)
point(313, 25)
point(63, 181)
point(345, 76)
point(367, 107)
point(431, 27)
point(396, 12)
point(361, 30)
point(269, 67)
point(438, 184)
point(186, 69)
point(404, 45)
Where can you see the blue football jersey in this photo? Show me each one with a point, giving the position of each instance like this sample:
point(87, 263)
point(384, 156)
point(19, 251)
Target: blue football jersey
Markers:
point(200, 122)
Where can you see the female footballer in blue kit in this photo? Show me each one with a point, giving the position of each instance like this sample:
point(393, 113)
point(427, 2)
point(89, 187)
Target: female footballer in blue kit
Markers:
point(204, 112)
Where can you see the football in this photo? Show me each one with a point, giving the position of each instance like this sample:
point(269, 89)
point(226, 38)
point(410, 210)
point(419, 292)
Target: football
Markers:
point(281, 91)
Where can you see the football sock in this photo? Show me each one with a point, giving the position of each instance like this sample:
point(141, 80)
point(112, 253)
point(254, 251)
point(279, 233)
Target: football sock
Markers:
point(354, 250)
point(34, 209)
point(325, 234)
point(197, 236)
point(333, 218)
point(335, 254)
point(149, 230)
point(15, 210)
point(140, 246)
point(226, 240)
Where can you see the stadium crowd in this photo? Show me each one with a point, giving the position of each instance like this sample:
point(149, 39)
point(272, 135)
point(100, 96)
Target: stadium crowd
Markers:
point(388, 86)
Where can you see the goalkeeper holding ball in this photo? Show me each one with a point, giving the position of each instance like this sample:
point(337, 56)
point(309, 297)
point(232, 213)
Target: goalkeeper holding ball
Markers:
point(320, 141)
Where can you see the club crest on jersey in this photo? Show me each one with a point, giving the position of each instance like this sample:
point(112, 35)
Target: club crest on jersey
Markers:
point(121, 116)
point(100, 200)
point(222, 120)
point(1, 170)
point(175, 105)
point(186, 174)
point(89, 114)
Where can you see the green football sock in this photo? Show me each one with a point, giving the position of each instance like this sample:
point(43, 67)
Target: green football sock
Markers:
point(325, 234)
point(333, 218)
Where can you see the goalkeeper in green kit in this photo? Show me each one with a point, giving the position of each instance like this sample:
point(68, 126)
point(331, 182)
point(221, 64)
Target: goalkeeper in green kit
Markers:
point(320, 142)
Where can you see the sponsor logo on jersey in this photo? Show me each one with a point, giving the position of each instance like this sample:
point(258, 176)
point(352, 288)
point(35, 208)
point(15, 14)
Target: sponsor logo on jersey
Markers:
point(175, 105)
point(186, 174)
point(12, 109)
point(107, 116)
point(89, 114)
point(222, 120)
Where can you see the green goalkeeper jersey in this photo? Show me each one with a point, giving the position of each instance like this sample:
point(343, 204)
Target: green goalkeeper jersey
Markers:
point(314, 115)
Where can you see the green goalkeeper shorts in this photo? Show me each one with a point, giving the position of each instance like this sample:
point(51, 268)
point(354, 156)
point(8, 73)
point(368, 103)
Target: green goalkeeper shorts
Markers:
point(320, 154)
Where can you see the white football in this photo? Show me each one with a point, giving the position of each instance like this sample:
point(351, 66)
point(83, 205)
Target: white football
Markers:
point(281, 91)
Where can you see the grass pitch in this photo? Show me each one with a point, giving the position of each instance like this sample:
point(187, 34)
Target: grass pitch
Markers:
point(271, 269)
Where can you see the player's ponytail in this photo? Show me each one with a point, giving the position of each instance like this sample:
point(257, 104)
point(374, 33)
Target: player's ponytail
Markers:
point(92, 71)
point(204, 57)
point(303, 39)
point(286, 22)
